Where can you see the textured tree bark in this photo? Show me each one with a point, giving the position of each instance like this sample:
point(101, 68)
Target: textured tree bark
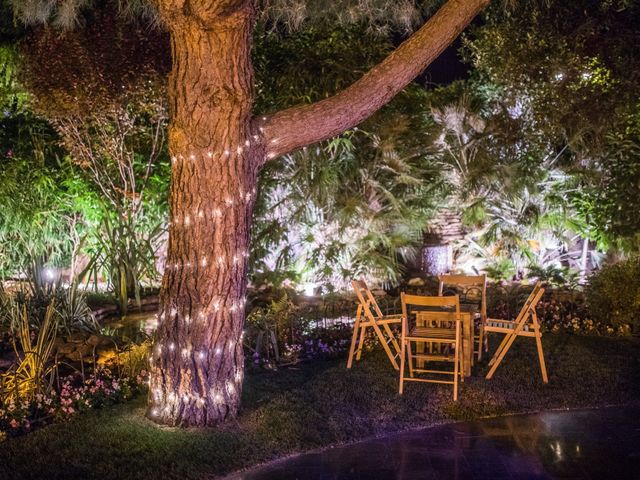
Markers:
point(197, 361)
point(217, 150)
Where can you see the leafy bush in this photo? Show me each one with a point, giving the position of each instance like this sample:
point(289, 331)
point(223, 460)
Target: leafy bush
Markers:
point(294, 329)
point(134, 360)
point(72, 312)
point(32, 392)
point(500, 270)
point(5, 307)
point(265, 325)
point(613, 293)
point(553, 275)
point(559, 310)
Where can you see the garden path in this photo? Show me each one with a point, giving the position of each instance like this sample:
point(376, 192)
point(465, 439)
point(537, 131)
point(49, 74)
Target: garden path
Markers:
point(587, 444)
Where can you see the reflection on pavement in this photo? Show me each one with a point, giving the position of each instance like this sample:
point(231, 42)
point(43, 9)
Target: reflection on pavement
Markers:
point(591, 444)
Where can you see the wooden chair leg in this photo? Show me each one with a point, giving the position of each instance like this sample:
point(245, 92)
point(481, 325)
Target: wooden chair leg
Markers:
point(361, 343)
point(456, 363)
point(385, 345)
point(410, 359)
point(509, 341)
point(354, 337)
point(461, 359)
point(394, 342)
point(402, 352)
point(543, 367)
point(504, 341)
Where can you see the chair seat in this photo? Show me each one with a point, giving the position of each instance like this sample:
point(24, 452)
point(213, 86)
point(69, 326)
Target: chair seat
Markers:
point(491, 322)
point(501, 325)
point(387, 319)
point(434, 333)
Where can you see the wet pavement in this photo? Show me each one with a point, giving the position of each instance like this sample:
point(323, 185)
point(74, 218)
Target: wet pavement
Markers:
point(589, 444)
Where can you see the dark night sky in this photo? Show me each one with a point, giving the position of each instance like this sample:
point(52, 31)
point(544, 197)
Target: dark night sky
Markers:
point(446, 68)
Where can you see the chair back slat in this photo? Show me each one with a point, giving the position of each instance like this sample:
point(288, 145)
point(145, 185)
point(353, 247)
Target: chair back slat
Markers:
point(366, 299)
point(463, 286)
point(430, 301)
point(409, 301)
point(462, 280)
point(531, 302)
point(431, 316)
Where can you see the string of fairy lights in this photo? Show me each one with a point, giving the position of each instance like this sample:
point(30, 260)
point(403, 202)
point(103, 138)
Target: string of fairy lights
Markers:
point(239, 149)
point(204, 261)
point(164, 403)
point(214, 214)
point(191, 218)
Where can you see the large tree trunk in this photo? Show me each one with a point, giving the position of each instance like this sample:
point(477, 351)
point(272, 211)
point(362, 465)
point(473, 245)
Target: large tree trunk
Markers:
point(217, 149)
point(197, 362)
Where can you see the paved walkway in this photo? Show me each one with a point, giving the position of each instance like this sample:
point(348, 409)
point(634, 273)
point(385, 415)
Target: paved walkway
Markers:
point(592, 444)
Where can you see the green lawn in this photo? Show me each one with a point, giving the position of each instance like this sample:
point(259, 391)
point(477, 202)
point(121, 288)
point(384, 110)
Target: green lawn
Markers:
point(319, 404)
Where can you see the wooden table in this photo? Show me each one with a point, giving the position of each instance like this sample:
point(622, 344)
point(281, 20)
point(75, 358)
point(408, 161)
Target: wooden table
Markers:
point(467, 341)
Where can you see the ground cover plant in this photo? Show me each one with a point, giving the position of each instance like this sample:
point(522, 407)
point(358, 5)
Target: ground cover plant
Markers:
point(57, 362)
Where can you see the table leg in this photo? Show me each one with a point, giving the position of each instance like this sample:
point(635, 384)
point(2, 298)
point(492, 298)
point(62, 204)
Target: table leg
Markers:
point(467, 343)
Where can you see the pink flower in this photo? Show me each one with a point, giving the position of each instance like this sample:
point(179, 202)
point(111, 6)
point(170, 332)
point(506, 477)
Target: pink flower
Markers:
point(13, 423)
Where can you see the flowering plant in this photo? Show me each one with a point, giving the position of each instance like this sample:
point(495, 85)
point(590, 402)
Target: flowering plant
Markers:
point(563, 313)
point(74, 395)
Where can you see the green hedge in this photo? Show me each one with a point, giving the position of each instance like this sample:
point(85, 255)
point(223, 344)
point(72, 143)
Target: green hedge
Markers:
point(613, 294)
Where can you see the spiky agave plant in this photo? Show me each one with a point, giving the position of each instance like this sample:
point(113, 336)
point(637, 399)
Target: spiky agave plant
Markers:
point(33, 370)
point(74, 313)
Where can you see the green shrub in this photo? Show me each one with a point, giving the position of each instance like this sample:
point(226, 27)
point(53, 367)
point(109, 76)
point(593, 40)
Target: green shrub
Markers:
point(613, 294)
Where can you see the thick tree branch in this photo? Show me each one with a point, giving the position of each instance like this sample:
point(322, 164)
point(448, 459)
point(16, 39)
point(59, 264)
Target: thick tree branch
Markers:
point(299, 126)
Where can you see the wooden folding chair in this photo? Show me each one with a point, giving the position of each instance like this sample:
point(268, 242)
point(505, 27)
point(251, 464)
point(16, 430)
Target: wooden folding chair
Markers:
point(525, 325)
point(440, 327)
point(471, 289)
point(369, 315)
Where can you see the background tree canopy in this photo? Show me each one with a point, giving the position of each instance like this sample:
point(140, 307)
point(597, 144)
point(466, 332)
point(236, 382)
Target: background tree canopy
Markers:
point(571, 70)
point(536, 149)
